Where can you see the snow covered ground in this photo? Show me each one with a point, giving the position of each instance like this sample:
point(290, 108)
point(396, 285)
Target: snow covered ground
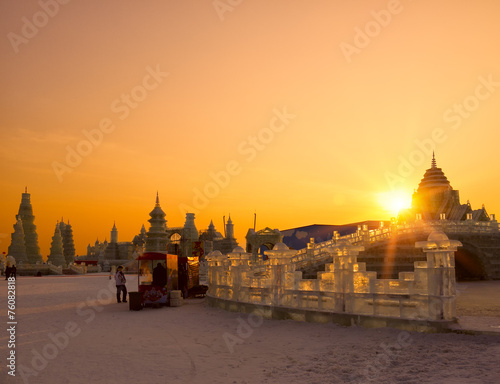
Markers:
point(71, 330)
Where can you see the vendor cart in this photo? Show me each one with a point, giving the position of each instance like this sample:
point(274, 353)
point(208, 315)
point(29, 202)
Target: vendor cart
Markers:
point(157, 276)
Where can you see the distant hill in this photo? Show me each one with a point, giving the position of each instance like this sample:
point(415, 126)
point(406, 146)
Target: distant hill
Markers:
point(297, 238)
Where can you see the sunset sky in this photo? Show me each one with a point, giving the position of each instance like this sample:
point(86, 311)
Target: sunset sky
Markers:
point(304, 111)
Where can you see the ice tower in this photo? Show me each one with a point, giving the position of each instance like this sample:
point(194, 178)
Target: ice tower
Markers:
point(29, 228)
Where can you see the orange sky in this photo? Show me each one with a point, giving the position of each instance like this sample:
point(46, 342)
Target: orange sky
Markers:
point(172, 92)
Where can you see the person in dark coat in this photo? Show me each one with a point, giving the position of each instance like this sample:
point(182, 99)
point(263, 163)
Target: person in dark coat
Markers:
point(159, 276)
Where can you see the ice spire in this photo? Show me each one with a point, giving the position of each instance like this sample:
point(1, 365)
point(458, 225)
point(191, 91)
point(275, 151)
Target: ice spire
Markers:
point(156, 237)
point(17, 246)
point(229, 228)
point(68, 242)
point(114, 233)
point(56, 256)
point(29, 228)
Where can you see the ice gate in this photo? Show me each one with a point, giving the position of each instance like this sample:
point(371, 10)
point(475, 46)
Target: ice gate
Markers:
point(345, 293)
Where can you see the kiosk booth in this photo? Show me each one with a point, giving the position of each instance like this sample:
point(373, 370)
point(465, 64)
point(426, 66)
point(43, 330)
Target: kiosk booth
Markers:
point(157, 276)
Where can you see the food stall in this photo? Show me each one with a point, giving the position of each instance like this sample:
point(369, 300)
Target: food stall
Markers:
point(157, 276)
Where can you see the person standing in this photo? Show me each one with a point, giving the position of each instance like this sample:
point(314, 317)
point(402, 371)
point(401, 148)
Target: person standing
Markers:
point(10, 267)
point(159, 276)
point(120, 281)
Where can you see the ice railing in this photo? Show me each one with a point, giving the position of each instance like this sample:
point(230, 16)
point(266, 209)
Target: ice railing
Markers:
point(44, 268)
point(345, 286)
point(364, 236)
point(78, 269)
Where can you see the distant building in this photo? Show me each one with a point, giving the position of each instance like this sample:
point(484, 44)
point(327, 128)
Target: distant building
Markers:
point(68, 242)
point(114, 252)
point(189, 235)
point(215, 241)
point(211, 234)
point(181, 241)
point(435, 199)
point(17, 247)
point(156, 237)
point(139, 241)
point(433, 202)
point(29, 228)
point(117, 253)
point(264, 239)
point(25, 232)
point(95, 252)
point(56, 256)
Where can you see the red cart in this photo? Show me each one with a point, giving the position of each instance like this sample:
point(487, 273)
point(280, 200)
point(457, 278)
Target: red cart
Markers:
point(157, 276)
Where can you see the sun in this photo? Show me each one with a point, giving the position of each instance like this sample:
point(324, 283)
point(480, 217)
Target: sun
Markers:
point(394, 201)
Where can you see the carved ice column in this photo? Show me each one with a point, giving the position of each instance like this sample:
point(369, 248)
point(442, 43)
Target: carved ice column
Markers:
point(238, 271)
point(336, 236)
point(366, 235)
point(217, 277)
point(439, 271)
point(394, 226)
point(310, 251)
point(344, 266)
point(281, 273)
point(238, 257)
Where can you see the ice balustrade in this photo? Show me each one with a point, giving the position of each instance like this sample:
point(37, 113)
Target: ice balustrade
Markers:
point(366, 237)
point(345, 286)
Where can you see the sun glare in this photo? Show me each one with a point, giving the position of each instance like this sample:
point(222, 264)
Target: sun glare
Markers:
point(394, 201)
